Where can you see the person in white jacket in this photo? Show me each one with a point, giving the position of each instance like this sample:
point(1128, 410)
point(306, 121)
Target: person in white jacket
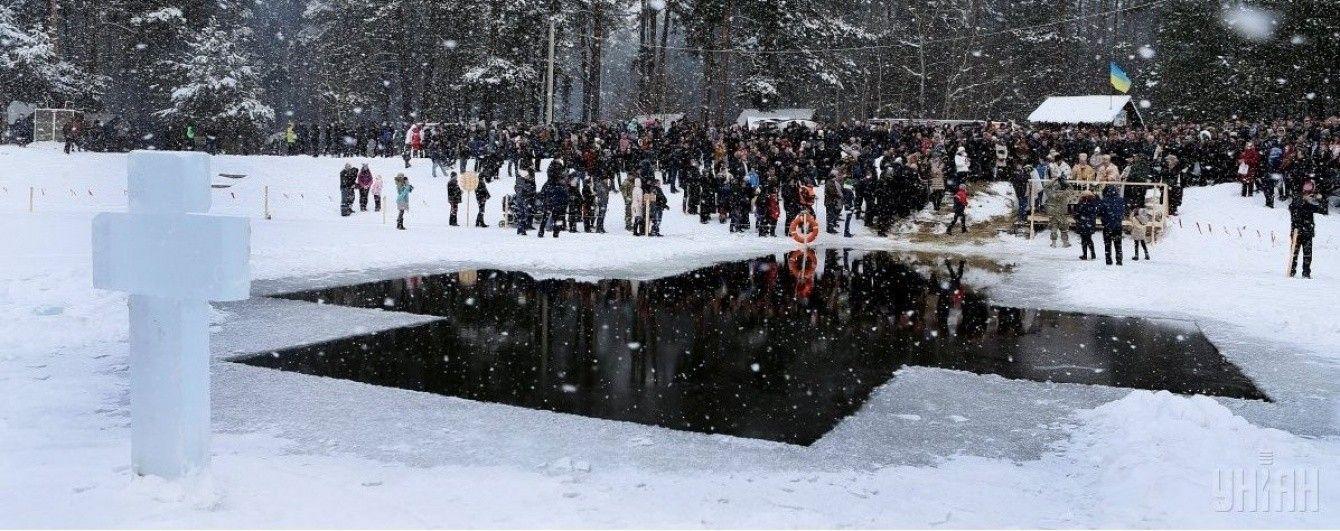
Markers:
point(961, 167)
point(638, 209)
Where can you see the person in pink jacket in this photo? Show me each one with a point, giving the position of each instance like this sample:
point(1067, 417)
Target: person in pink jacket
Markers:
point(376, 190)
point(363, 182)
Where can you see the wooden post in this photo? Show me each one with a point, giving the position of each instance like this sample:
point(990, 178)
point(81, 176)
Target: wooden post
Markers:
point(1032, 229)
point(267, 201)
point(1293, 246)
point(385, 207)
point(30, 200)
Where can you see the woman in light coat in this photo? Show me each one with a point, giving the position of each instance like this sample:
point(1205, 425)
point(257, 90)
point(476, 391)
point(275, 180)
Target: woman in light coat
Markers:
point(1142, 223)
point(637, 208)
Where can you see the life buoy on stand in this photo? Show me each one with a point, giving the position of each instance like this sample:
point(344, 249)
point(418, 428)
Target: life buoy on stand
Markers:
point(803, 264)
point(804, 229)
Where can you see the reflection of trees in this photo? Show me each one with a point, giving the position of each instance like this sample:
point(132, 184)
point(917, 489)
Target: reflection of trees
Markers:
point(762, 347)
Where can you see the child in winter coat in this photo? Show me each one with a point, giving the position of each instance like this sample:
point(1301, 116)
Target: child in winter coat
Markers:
point(1141, 225)
point(960, 209)
point(402, 190)
point(376, 191)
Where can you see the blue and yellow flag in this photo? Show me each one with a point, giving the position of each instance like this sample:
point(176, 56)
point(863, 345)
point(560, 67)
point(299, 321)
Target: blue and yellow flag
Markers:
point(1120, 80)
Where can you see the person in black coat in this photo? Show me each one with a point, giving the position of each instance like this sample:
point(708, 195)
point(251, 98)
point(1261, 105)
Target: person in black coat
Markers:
point(1113, 212)
point(576, 204)
point(453, 197)
point(482, 197)
point(523, 199)
point(348, 181)
point(1086, 222)
point(690, 178)
point(707, 195)
point(1302, 212)
point(554, 195)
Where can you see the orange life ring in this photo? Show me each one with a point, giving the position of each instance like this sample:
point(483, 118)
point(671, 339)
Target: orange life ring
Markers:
point(811, 228)
point(803, 264)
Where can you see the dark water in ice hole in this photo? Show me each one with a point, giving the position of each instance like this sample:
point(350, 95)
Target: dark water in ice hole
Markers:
point(741, 348)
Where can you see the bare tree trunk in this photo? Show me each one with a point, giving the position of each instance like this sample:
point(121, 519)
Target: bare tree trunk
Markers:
point(660, 62)
point(54, 25)
point(723, 80)
point(597, 63)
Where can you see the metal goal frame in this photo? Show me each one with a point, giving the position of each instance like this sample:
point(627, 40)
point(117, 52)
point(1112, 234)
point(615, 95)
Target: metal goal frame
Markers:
point(49, 124)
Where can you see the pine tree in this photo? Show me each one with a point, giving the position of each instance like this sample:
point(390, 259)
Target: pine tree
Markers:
point(220, 91)
point(31, 70)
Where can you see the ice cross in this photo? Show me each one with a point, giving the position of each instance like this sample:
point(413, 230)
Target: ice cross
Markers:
point(172, 259)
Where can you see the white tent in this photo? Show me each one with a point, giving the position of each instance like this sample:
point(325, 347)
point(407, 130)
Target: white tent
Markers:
point(751, 117)
point(1115, 110)
point(666, 119)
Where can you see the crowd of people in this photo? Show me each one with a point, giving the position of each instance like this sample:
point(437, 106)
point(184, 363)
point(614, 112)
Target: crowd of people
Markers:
point(877, 174)
point(763, 179)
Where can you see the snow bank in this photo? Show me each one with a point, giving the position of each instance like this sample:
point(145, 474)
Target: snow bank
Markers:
point(1148, 459)
point(1159, 456)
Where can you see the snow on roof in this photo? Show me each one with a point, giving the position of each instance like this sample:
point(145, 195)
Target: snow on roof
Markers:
point(749, 116)
point(1081, 110)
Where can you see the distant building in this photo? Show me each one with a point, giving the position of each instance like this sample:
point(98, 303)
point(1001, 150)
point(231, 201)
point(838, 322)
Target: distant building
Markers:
point(752, 118)
point(1113, 110)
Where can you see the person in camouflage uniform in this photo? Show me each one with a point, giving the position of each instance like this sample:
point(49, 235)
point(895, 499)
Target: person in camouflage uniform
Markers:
point(1058, 214)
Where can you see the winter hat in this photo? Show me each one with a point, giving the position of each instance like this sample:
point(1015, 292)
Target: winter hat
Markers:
point(1309, 187)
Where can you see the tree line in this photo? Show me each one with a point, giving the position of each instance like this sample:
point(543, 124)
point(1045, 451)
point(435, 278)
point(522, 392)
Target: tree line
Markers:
point(234, 64)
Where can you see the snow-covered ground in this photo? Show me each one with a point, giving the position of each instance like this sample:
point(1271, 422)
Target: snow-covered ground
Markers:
point(932, 447)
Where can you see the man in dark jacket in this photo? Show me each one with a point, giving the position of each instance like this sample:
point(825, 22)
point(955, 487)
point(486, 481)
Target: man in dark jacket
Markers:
point(554, 194)
point(1301, 219)
point(707, 195)
point(1113, 212)
point(1086, 222)
point(523, 197)
point(348, 181)
point(833, 202)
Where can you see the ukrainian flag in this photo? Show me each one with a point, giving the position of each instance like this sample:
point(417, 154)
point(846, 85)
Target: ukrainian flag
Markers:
point(1120, 80)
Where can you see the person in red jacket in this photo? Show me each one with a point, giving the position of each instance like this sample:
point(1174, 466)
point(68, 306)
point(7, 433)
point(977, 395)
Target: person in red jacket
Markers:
point(960, 209)
point(1249, 162)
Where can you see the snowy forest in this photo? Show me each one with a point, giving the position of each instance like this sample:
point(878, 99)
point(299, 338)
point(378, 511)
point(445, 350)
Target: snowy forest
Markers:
point(258, 63)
